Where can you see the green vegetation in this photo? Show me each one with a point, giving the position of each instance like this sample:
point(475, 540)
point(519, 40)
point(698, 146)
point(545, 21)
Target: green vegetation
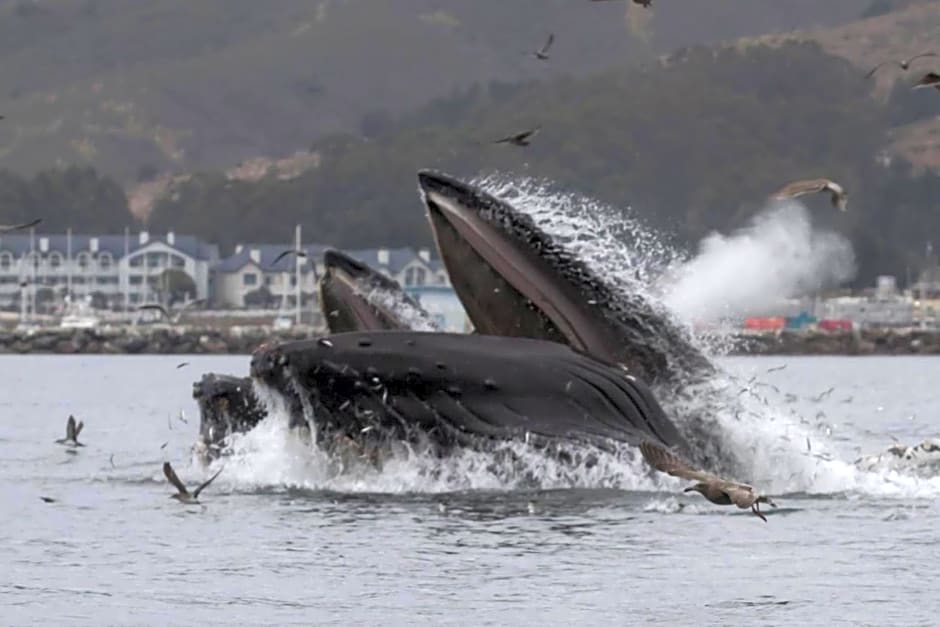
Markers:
point(71, 197)
point(180, 85)
point(693, 146)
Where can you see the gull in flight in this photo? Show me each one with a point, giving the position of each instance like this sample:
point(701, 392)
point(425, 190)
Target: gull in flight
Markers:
point(7, 228)
point(542, 53)
point(904, 64)
point(71, 432)
point(815, 186)
point(717, 490)
point(520, 139)
point(182, 494)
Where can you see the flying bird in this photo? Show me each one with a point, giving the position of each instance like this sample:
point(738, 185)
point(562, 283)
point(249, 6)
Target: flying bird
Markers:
point(542, 53)
point(7, 228)
point(166, 314)
point(519, 139)
point(904, 64)
point(182, 494)
point(71, 432)
point(643, 3)
point(930, 79)
point(300, 253)
point(45, 499)
point(815, 186)
point(717, 490)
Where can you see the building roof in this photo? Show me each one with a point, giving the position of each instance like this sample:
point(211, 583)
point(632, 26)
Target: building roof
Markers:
point(397, 258)
point(267, 253)
point(19, 244)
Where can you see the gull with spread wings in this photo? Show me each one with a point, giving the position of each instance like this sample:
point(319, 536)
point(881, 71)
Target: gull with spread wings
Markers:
point(904, 64)
point(542, 53)
point(840, 197)
point(7, 228)
point(717, 490)
point(71, 432)
point(182, 494)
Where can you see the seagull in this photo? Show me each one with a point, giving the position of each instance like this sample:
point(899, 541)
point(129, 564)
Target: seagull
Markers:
point(165, 313)
point(904, 64)
point(930, 79)
point(7, 228)
point(776, 368)
point(519, 139)
point(182, 494)
point(819, 397)
point(717, 490)
point(71, 432)
point(814, 186)
point(542, 53)
point(300, 253)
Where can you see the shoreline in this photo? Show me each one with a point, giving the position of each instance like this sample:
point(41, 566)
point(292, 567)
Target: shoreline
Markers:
point(242, 340)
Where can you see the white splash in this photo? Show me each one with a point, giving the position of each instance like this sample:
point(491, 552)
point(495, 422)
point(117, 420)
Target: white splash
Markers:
point(778, 255)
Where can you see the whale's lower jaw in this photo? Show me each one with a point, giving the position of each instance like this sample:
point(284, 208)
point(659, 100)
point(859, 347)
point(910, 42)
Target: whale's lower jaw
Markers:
point(443, 391)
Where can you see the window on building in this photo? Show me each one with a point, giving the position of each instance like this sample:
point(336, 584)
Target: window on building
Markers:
point(415, 275)
point(83, 259)
point(137, 280)
point(177, 262)
point(6, 261)
point(136, 262)
point(55, 260)
point(250, 278)
point(105, 261)
point(268, 280)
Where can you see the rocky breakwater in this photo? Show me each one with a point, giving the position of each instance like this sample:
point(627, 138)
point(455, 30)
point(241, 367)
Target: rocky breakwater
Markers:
point(860, 342)
point(130, 340)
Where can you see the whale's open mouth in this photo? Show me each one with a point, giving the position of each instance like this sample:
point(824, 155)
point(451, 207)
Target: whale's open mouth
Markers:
point(514, 280)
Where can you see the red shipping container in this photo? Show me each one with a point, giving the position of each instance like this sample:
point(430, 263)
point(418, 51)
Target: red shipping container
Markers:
point(764, 324)
point(834, 325)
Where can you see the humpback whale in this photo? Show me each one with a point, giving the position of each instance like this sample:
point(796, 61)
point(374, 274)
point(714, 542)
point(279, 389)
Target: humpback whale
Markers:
point(354, 297)
point(441, 390)
point(514, 280)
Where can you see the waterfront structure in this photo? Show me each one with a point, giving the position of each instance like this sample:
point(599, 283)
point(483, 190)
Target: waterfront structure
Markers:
point(115, 271)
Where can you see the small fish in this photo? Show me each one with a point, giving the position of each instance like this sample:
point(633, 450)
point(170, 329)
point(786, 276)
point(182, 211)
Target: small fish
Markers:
point(182, 365)
point(46, 499)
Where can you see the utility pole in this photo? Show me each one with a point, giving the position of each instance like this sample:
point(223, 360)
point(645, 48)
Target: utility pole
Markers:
point(298, 260)
point(126, 274)
point(68, 262)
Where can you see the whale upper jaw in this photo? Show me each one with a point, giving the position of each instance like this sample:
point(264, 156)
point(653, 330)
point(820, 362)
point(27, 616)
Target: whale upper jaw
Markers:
point(355, 297)
point(515, 280)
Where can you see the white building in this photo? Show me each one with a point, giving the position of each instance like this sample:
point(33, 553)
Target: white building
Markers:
point(114, 268)
point(251, 267)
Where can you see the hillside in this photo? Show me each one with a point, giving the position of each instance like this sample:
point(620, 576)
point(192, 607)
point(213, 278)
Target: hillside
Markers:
point(174, 85)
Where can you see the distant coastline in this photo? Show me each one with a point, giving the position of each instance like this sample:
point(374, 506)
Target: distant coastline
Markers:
point(242, 340)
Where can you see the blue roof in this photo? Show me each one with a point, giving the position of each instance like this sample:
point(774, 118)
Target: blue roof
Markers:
point(267, 254)
point(19, 244)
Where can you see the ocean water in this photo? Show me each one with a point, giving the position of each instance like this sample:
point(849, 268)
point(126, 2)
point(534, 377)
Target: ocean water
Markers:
point(281, 538)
